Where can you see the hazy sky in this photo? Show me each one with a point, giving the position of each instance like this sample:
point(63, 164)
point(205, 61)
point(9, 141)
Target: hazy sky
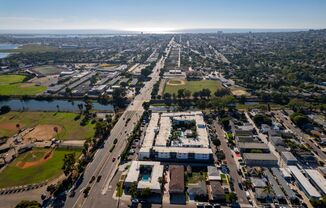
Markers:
point(157, 15)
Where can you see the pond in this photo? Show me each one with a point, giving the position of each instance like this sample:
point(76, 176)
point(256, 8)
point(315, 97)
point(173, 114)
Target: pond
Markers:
point(44, 105)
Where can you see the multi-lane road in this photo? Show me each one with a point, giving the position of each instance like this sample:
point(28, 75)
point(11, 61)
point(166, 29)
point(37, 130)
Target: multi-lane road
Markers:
point(103, 164)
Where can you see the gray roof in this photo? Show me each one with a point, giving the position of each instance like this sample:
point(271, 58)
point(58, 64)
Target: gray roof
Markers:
point(289, 156)
point(257, 182)
point(259, 156)
point(276, 188)
point(288, 191)
point(198, 189)
point(252, 145)
point(212, 171)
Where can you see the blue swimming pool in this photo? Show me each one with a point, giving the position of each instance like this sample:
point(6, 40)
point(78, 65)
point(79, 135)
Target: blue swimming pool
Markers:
point(145, 178)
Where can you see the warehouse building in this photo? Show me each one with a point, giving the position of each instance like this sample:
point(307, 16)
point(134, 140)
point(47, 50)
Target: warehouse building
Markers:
point(304, 183)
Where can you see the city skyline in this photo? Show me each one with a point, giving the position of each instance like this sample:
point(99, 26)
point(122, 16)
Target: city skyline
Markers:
point(162, 16)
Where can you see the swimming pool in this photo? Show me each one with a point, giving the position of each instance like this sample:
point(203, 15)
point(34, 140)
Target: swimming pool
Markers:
point(145, 178)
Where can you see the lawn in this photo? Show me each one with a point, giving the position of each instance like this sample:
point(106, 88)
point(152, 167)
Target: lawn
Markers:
point(193, 86)
point(13, 175)
point(14, 85)
point(71, 129)
point(197, 177)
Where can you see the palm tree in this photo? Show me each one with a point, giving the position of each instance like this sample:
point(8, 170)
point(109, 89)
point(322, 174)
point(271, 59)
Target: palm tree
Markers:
point(247, 184)
point(268, 189)
point(18, 127)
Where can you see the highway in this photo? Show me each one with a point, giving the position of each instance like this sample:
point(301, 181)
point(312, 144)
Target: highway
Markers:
point(103, 164)
point(302, 136)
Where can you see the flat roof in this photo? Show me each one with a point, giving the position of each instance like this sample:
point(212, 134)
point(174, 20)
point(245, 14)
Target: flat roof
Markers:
point(310, 189)
point(289, 156)
point(176, 183)
point(134, 171)
point(319, 180)
point(259, 156)
point(183, 150)
point(252, 145)
point(150, 131)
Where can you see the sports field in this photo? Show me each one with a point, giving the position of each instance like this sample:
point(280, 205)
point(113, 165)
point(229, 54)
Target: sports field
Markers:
point(14, 85)
point(68, 127)
point(172, 86)
point(34, 166)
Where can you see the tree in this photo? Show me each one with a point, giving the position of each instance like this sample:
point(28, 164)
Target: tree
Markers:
point(118, 96)
point(51, 188)
point(146, 192)
point(28, 204)
point(187, 93)
point(230, 197)
point(222, 92)
point(4, 109)
point(68, 163)
point(167, 95)
point(260, 119)
point(133, 190)
point(247, 183)
point(268, 189)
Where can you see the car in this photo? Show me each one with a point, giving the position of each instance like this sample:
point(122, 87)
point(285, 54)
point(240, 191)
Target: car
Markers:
point(135, 201)
point(113, 159)
point(98, 178)
point(240, 186)
point(92, 179)
point(72, 194)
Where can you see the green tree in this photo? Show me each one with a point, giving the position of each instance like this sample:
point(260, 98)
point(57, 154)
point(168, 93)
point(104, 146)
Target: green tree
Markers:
point(28, 204)
point(68, 163)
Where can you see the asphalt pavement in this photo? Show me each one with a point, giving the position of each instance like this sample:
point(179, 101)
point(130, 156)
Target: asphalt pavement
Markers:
point(242, 199)
point(103, 164)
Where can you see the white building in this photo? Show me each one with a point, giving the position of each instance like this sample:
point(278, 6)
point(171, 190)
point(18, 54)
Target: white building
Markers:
point(146, 174)
point(158, 143)
point(304, 183)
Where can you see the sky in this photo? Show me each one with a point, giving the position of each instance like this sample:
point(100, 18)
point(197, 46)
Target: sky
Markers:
point(161, 15)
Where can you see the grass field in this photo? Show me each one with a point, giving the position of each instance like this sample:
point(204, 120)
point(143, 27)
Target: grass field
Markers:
point(31, 48)
point(193, 86)
point(14, 175)
point(13, 85)
point(71, 129)
point(47, 70)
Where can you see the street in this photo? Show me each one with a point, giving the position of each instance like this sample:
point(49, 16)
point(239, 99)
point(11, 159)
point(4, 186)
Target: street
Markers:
point(103, 164)
point(242, 199)
point(302, 136)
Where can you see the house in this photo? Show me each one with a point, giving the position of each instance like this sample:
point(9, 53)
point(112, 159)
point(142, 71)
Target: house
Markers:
point(177, 182)
point(213, 173)
point(252, 147)
point(198, 191)
point(258, 182)
point(215, 191)
point(289, 158)
point(263, 195)
point(260, 159)
point(265, 128)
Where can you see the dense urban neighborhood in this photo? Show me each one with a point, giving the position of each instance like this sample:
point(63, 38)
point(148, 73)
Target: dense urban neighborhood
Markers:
point(163, 120)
